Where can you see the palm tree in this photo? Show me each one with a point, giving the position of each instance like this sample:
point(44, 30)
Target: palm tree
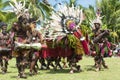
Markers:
point(2, 16)
point(7, 17)
point(111, 10)
point(89, 15)
point(38, 9)
point(46, 2)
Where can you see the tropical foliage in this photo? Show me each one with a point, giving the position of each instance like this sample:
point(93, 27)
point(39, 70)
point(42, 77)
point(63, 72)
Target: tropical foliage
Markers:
point(41, 9)
point(7, 17)
point(111, 12)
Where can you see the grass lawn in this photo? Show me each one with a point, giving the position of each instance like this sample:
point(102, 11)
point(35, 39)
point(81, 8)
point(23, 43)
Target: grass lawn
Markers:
point(88, 73)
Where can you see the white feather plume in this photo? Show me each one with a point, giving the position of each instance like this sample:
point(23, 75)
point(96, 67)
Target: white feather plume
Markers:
point(18, 7)
point(56, 24)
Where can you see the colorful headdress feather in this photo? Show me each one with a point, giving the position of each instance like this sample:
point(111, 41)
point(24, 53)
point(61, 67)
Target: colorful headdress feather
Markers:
point(67, 17)
point(65, 20)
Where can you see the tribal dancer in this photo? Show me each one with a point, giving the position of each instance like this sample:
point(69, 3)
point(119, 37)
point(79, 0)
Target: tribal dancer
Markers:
point(27, 39)
point(5, 47)
point(99, 42)
point(64, 31)
point(34, 37)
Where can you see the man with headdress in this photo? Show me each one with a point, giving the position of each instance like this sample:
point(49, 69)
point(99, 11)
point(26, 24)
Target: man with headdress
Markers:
point(20, 53)
point(5, 47)
point(99, 42)
point(64, 30)
point(27, 39)
point(20, 30)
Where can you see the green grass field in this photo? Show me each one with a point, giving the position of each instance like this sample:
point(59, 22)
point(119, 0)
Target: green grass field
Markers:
point(88, 73)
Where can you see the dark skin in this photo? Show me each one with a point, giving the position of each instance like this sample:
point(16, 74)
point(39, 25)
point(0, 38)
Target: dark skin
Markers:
point(5, 42)
point(32, 32)
point(98, 38)
point(4, 29)
point(33, 36)
point(97, 26)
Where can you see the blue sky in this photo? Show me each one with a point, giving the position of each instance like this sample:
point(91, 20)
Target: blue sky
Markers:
point(84, 3)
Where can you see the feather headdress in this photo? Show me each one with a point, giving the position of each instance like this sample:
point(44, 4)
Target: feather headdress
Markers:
point(67, 17)
point(97, 19)
point(65, 20)
point(19, 9)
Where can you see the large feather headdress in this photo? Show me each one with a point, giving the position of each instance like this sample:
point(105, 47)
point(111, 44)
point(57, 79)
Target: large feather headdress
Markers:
point(65, 20)
point(67, 17)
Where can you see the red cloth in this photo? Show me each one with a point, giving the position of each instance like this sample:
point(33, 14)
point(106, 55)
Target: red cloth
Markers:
point(44, 53)
point(85, 47)
point(64, 52)
point(77, 34)
point(84, 43)
point(55, 52)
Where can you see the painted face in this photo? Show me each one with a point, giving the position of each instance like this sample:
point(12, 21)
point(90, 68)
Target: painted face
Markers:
point(4, 29)
point(15, 26)
point(97, 25)
point(71, 25)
